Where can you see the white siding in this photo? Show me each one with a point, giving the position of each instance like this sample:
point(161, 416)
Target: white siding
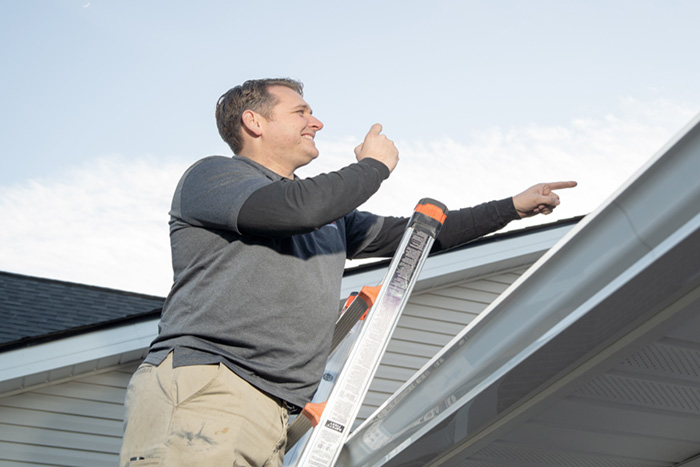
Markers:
point(75, 423)
point(429, 321)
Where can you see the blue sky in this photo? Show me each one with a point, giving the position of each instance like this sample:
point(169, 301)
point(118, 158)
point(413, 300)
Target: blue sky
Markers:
point(104, 104)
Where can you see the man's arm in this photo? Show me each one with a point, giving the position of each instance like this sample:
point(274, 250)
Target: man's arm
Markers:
point(468, 224)
point(290, 207)
point(293, 207)
point(460, 227)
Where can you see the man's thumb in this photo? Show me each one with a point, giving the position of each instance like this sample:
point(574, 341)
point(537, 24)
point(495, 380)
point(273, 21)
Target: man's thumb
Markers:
point(376, 129)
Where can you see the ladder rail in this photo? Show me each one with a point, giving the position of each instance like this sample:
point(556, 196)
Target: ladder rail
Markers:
point(327, 438)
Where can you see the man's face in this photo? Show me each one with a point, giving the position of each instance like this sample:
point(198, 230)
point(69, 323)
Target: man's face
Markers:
point(290, 130)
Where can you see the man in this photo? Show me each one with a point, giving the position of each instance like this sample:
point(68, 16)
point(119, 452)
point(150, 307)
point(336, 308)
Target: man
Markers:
point(258, 256)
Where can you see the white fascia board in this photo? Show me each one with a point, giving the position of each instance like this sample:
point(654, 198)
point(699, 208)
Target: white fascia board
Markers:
point(490, 257)
point(42, 363)
point(465, 263)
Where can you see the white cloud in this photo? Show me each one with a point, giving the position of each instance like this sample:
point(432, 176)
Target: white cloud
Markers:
point(105, 223)
point(492, 163)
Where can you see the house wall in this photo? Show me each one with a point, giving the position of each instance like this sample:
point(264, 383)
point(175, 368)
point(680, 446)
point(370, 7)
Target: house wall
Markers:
point(76, 423)
point(79, 421)
point(429, 321)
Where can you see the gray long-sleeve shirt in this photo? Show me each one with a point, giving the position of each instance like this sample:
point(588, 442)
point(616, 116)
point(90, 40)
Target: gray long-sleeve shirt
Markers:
point(258, 261)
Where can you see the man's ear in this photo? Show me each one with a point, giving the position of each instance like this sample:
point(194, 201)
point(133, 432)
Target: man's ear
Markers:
point(251, 122)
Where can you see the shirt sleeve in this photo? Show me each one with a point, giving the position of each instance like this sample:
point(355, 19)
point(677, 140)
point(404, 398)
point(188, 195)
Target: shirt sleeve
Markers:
point(290, 207)
point(460, 227)
point(211, 192)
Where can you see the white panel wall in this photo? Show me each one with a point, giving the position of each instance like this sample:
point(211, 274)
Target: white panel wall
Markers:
point(76, 423)
point(430, 320)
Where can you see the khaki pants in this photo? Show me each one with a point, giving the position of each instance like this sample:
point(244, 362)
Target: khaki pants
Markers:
point(200, 415)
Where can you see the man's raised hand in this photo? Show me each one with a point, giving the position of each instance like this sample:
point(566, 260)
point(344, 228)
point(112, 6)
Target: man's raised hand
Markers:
point(378, 146)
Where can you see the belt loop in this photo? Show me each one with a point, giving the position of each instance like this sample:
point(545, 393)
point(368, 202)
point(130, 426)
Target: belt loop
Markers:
point(290, 408)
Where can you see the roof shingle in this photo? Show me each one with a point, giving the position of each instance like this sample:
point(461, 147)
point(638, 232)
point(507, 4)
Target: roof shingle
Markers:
point(35, 309)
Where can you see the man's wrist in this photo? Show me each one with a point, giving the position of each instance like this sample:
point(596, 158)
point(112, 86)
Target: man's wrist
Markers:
point(378, 165)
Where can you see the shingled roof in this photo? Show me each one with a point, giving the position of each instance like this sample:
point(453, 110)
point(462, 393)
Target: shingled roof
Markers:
point(34, 310)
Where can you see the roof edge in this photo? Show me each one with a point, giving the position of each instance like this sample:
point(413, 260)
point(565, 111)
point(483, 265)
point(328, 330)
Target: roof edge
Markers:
point(495, 237)
point(30, 341)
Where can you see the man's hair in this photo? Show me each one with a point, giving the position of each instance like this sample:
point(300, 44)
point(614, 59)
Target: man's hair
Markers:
point(252, 95)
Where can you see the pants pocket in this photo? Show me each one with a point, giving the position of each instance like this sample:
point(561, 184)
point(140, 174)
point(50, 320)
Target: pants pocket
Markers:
point(191, 381)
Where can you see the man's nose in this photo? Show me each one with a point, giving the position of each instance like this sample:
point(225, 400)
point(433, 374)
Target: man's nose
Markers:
point(316, 123)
